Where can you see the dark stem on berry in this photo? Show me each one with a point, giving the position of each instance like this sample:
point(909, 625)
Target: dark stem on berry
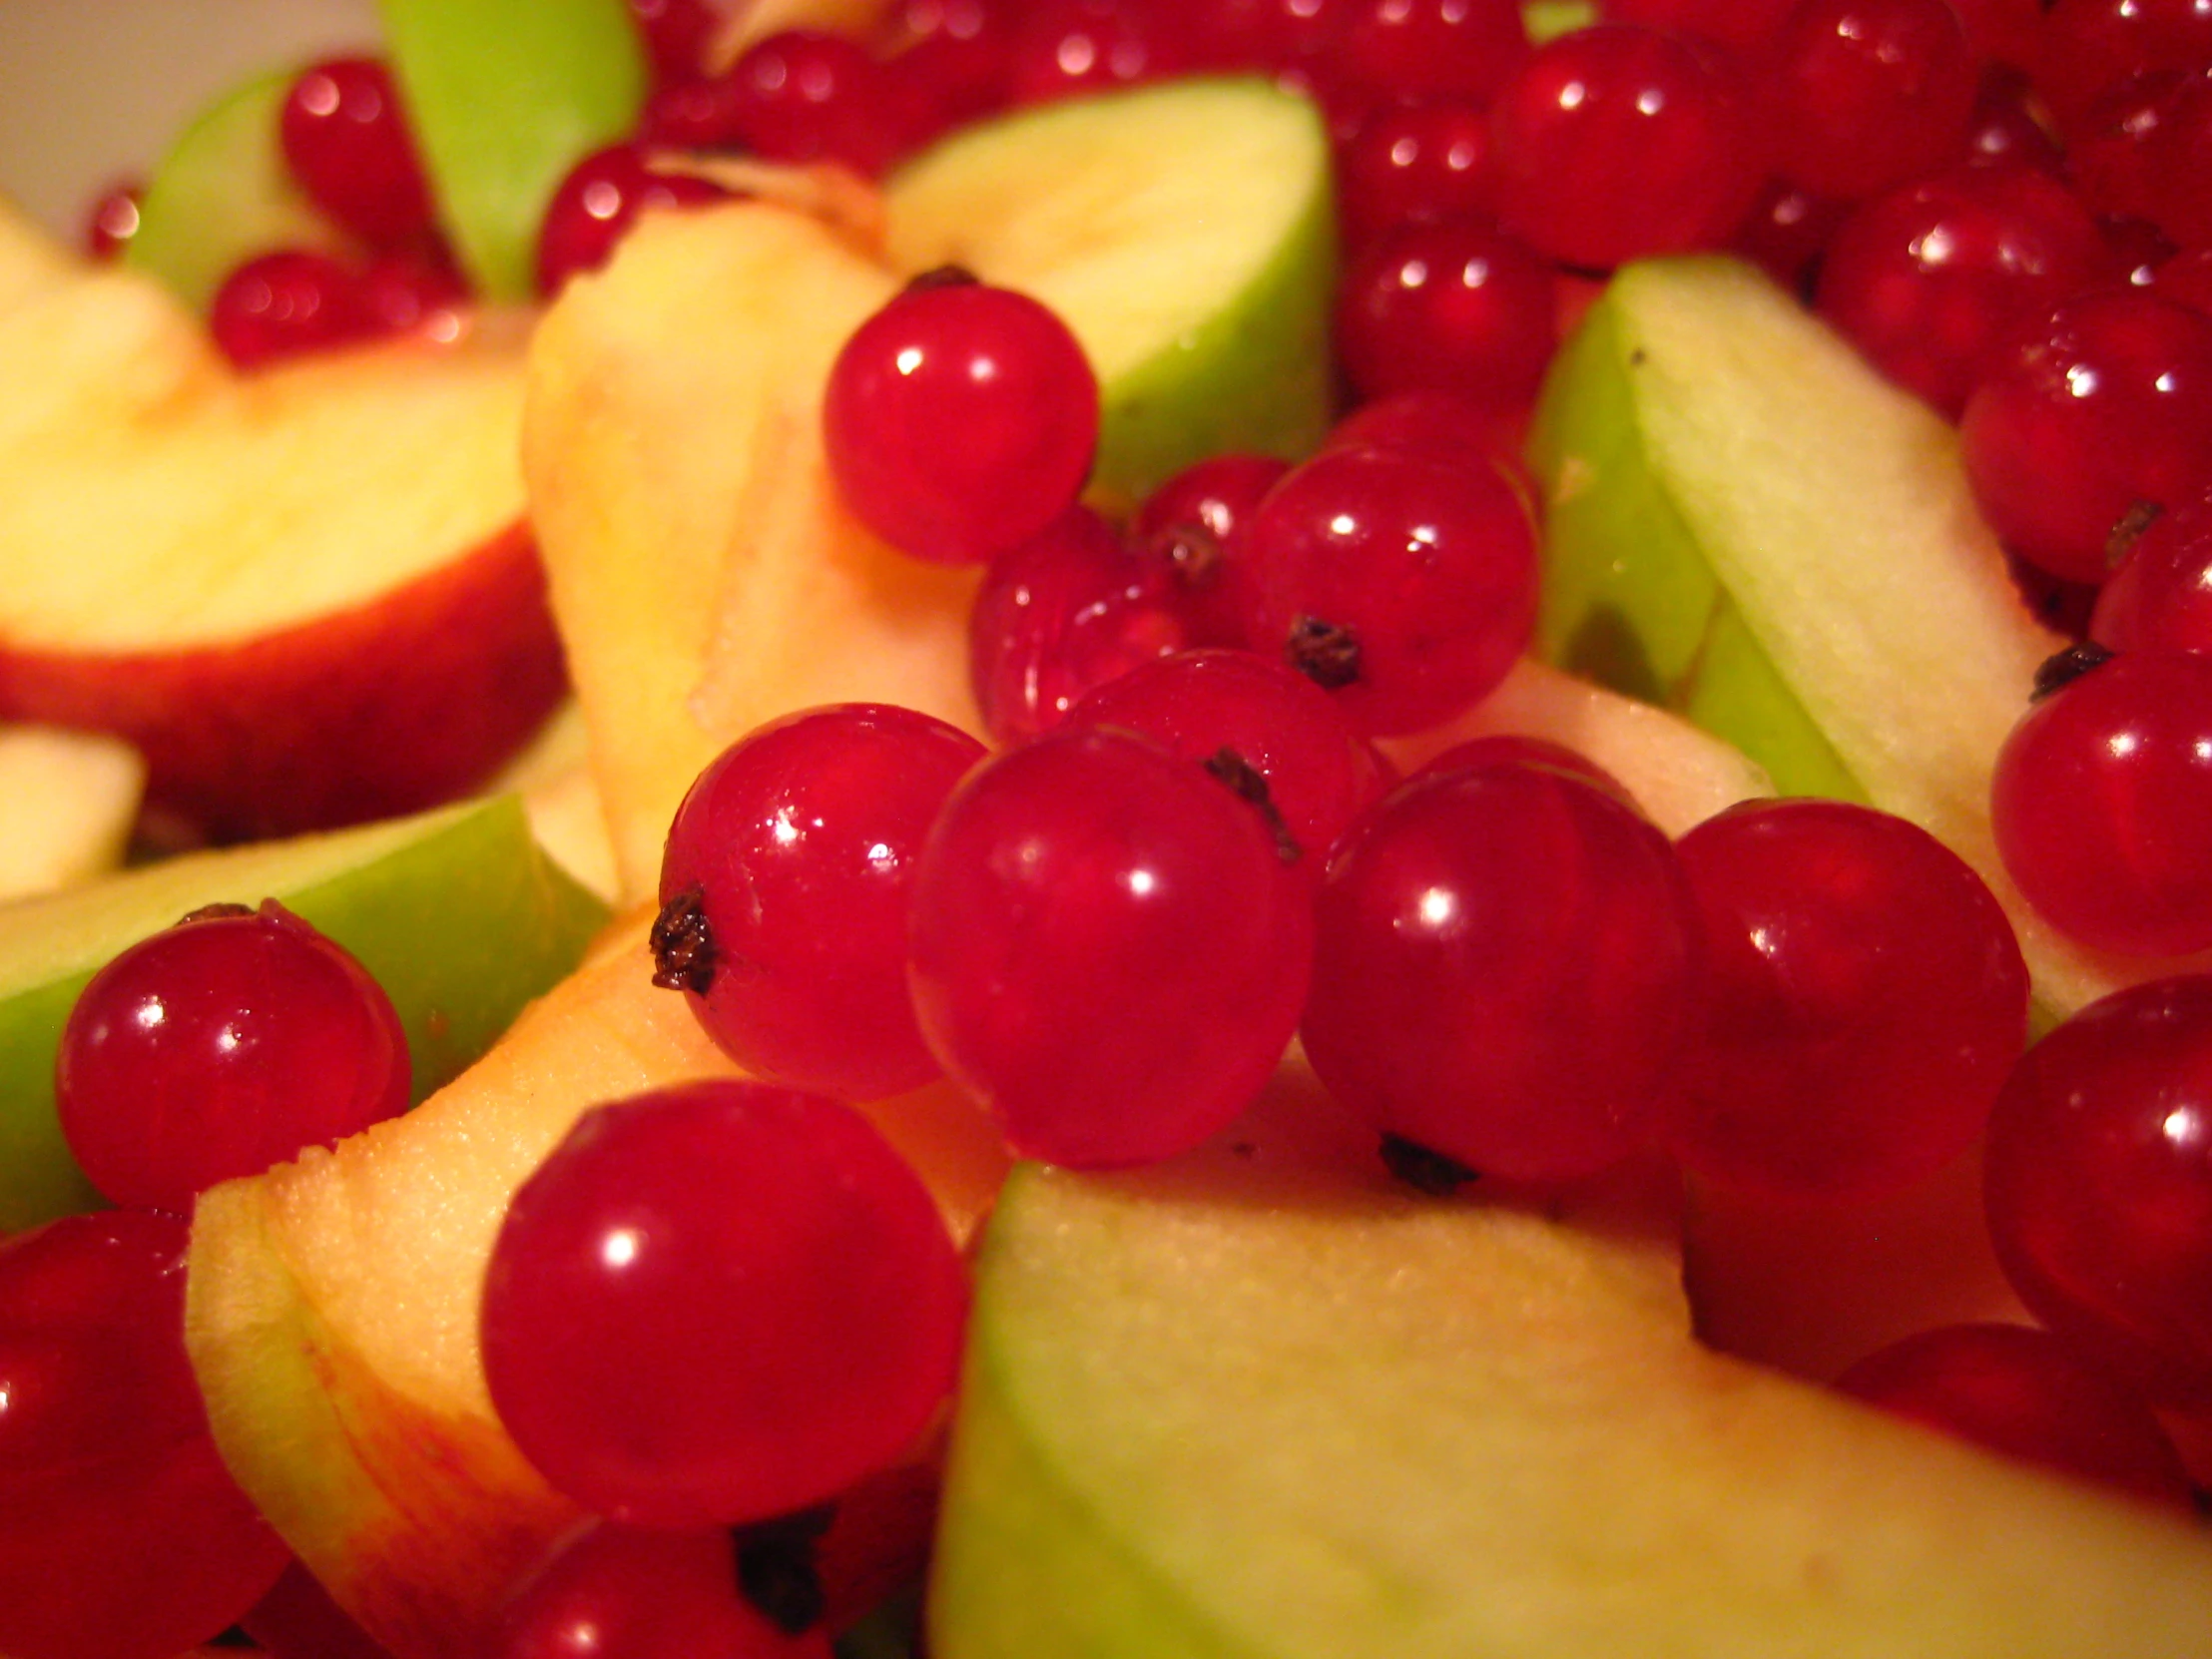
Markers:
point(776, 1572)
point(1435, 1174)
point(1324, 652)
point(683, 949)
point(1191, 552)
point(2056, 673)
point(214, 913)
point(942, 277)
point(1248, 783)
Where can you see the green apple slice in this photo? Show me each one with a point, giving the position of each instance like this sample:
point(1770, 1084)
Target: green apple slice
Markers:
point(1248, 1407)
point(223, 194)
point(1185, 232)
point(456, 912)
point(503, 98)
point(1747, 524)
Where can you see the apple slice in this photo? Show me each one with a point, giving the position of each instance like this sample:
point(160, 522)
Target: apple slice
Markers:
point(307, 595)
point(67, 800)
point(331, 1313)
point(455, 912)
point(1255, 1403)
point(224, 194)
point(1184, 231)
point(503, 97)
point(1747, 524)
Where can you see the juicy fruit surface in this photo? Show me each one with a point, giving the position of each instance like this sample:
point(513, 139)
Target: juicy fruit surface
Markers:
point(1239, 1405)
point(1194, 270)
point(509, 923)
point(1744, 522)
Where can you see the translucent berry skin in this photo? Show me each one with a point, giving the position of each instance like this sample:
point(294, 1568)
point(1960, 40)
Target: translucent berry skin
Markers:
point(1415, 159)
point(112, 221)
point(1426, 565)
point(2102, 805)
point(219, 1047)
point(1320, 771)
point(620, 1592)
point(1447, 305)
point(1424, 47)
point(108, 1476)
point(960, 420)
point(345, 139)
point(597, 203)
point(284, 304)
point(718, 1303)
point(1108, 947)
point(805, 94)
point(1506, 965)
point(2098, 1183)
point(1935, 280)
point(2160, 598)
point(1655, 130)
point(1865, 1000)
point(1072, 608)
point(799, 841)
point(2024, 1392)
point(2089, 46)
point(2107, 405)
point(1868, 94)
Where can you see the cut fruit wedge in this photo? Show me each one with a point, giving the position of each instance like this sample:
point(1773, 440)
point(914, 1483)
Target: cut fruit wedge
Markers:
point(1749, 525)
point(306, 594)
point(1185, 232)
point(223, 194)
point(332, 1316)
point(455, 912)
point(1249, 1404)
point(503, 97)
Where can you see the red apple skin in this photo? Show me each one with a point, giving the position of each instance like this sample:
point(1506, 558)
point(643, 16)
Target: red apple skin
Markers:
point(412, 696)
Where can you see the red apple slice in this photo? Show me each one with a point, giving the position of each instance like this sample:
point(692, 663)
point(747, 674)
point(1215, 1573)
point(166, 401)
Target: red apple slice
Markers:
point(307, 595)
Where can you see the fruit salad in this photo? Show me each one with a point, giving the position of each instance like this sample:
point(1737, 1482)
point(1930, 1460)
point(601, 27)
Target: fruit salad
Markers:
point(1106, 828)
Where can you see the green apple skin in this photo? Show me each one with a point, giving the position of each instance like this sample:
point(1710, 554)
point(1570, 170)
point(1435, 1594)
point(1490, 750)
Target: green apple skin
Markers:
point(1187, 233)
point(1744, 522)
point(456, 912)
point(1256, 1403)
point(503, 98)
point(223, 194)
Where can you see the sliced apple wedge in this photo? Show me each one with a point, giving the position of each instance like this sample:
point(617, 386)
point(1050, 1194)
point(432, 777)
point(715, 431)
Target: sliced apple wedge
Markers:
point(305, 595)
point(332, 1312)
point(455, 912)
point(1249, 1404)
point(1747, 524)
point(1185, 232)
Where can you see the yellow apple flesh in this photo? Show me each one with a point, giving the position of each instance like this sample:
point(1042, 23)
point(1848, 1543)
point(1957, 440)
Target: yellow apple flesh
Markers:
point(67, 800)
point(307, 595)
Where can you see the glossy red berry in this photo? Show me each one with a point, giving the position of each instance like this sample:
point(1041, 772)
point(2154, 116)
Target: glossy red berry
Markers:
point(1110, 947)
point(1866, 998)
point(2102, 805)
point(1866, 95)
point(345, 138)
point(1447, 305)
point(286, 304)
point(718, 1303)
point(783, 894)
point(2099, 1185)
point(1505, 970)
point(598, 202)
point(960, 419)
point(1656, 130)
point(221, 1047)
